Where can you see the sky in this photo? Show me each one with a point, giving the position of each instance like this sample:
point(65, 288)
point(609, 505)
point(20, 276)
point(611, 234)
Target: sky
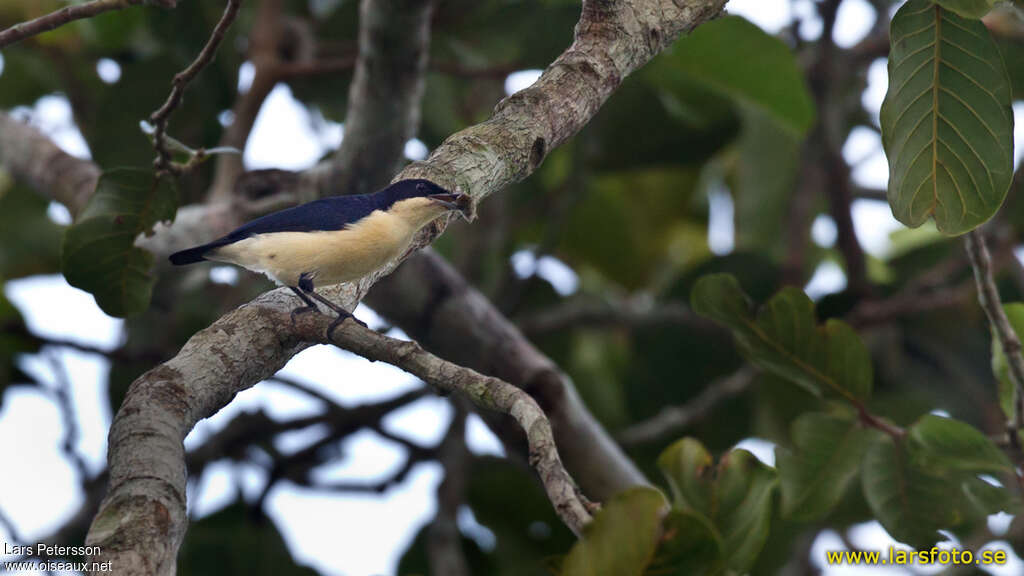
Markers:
point(321, 531)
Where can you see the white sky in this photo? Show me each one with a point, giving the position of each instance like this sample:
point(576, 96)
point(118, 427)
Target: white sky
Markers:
point(356, 535)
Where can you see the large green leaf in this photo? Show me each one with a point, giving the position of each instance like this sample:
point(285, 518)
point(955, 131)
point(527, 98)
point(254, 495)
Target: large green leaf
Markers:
point(683, 124)
point(735, 495)
point(911, 503)
point(643, 224)
point(623, 538)
point(967, 8)
point(99, 253)
point(740, 60)
point(784, 337)
point(827, 454)
point(767, 160)
point(928, 479)
point(947, 126)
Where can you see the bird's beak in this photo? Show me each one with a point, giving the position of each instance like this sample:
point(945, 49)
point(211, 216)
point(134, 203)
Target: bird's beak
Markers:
point(460, 202)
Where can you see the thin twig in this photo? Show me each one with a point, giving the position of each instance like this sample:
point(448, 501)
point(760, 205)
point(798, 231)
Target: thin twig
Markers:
point(1002, 331)
point(674, 418)
point(62, 397)
point(180, 82)
point(627, 313)
point(483, 391)
point(58, 18)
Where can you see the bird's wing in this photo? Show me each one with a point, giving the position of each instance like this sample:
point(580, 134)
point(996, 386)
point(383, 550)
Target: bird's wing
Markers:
point(326, 214)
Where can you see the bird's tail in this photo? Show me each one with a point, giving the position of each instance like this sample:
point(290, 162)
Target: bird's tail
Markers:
point(190, 256)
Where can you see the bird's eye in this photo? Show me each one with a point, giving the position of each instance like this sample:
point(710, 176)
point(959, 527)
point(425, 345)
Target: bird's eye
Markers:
point(420, 187)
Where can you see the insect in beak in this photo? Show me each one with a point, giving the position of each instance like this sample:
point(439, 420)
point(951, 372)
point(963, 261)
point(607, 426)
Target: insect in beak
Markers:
point(460, 202)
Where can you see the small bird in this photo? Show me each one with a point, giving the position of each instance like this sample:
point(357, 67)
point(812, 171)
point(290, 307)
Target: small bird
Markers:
point(332, 240)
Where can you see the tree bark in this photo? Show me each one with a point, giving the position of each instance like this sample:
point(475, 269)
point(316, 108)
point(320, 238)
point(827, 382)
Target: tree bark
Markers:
point(142, 520)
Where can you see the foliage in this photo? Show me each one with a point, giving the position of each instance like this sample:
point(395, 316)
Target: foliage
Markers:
point(886, 419)
point(99, 253)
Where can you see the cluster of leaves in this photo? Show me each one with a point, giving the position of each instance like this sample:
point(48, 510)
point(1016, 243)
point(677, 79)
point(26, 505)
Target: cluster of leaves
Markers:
point(720, 516)
point(726, 108)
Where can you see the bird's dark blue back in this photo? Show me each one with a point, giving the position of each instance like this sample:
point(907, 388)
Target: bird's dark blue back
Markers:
point(336, 212)
point(326, 214)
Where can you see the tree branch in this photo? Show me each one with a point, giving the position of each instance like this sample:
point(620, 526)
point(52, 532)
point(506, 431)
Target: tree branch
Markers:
point(35, 161)
point(674, 418)
point(181, 81)
point(628, 313)
point(383, 109)
point(142, 520)
point(483, 391)
point(435, 305)
point(263, 54)
point(444, 541)
point(58, 18)
point(1002, 331)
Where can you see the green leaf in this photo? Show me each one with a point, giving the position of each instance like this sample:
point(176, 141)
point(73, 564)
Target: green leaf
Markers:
point(740, 60)
point(622, 539)
point(828, 453)
point(99, 253)
point(955, 445)
point(765, 176)
point(785, 340)
point(691, 547)
point(938, 461)
point(911, 503)
point(644, 224)
point(947, 126)
point(735, 495)
point(967, 8)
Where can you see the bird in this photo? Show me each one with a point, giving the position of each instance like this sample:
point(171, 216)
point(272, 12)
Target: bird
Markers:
point(331, 240)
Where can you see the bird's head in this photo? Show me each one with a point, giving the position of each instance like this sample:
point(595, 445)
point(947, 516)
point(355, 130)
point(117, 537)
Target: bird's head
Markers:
point(425, 201)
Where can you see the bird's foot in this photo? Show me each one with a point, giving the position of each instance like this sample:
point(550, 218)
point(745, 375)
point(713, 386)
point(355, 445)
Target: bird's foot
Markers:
point(339, 320)
point(302, 310)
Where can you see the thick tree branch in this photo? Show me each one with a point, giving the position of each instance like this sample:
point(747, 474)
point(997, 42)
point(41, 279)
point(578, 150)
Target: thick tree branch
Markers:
point(383, 109)
point(142, 520)
point(35, 161)
point(434, 304)
point(483, 391)
point(58, 18)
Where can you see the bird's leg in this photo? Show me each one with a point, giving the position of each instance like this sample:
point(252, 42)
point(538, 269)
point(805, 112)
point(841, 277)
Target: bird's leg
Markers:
point(306, 285)
point(309, 307)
